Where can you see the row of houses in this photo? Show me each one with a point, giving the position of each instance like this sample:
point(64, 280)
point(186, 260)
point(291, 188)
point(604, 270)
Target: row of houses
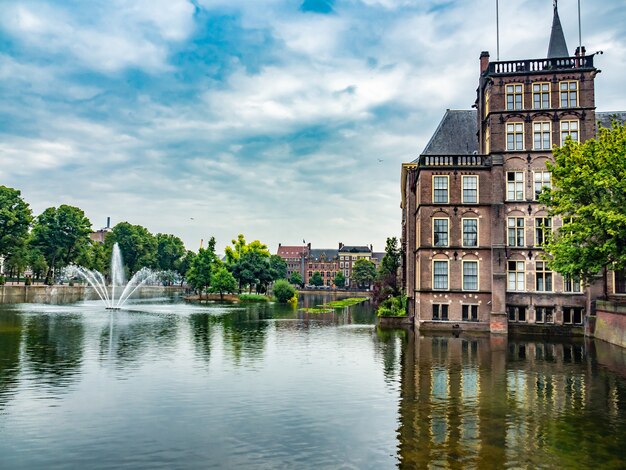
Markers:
point(305, 260)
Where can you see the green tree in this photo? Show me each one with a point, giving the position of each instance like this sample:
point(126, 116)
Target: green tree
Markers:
point(253, 270)
point(283, 291)
point(15, 220)
point(137, 244)
point(183, 265)
point(240, 247)
point(202, 267)
point(589, 194)
point(316, 279)
point(363, 272)
point(223, 281)
point(296, 279)
point(278, 267)
point(387, 284)
point(340, 280)
point(61, 235)
point(95, 257)
point(170, 249)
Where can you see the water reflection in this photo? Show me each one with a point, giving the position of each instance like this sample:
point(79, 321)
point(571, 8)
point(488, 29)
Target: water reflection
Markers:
point(489, 402)
point(10, 339)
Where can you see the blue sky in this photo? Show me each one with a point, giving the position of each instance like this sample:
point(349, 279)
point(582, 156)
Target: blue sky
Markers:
point(283, 120)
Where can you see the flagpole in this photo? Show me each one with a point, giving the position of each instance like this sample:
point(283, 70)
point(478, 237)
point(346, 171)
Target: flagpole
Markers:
point(580, 34)
point(497, 32)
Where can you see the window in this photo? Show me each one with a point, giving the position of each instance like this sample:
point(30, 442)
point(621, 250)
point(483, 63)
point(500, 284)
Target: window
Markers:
point(515, 186)
point(541, 95)
point(440, 274)
point(440, 189)
point(327, 273)
point(543, 274)
point(543, 228)
point(620, 282)
point(516, 313)
point(487, 99)
point(542, 132)
point(516, 276)
point(470, 189)
point(470, 275)
point(572, 284)
point(440, 232)
point(543, 179)
point(470, 232)
point(310, 274)
point(469, 312)
point(514, 96)
point(568, 91)
point(516, 231)
point(487, 141)
point(440, 311)
point(341, 264)
point(573, 315)
point(515, 136)
point(544, 314)
point(569, 128)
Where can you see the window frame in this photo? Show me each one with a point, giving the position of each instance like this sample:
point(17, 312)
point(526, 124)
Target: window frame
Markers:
point(517, 272)
point(435, 275)
point(463, 244)
point(541, 314)
point(440, 309)
point(517, 230)
point(514, 90)
point(566, 102)
point(447, 232)
point(571, 283)
point(542, 134)
point(564, 134)
point(518, 136)
point(542, 181)
point(463, 275)
point(435, 189)
point(515, 310)
point(517, 184)
point(469, 312)
point(546, 275)
point(541, 93)
point(543, 229)
point(463, 189)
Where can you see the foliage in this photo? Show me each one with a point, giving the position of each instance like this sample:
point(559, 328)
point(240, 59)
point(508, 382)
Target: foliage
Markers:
point(340, 280)
point(61, 235)
point(316, 279)
point(393, 307)
point(15, 220)
point(202, 267)
point(363, 272)
point(170, 250)
point(95, 257)
point(240, 247)
point(346, 302)
point(253, 270)
point(283, 291)
point(296, 279)
point(137, 244)
point(3, 280)
point(223, 281)
point(184, 264)
point(253, 298)
point(589, 193)
point(278, 267)
point(387, 284)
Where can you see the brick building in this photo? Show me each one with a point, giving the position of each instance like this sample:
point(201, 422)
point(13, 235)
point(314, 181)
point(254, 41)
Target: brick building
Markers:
point(295, 257)
point(325, 261)
point(472, 227)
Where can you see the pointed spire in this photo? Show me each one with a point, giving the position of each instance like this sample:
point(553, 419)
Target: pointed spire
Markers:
point(557, 47)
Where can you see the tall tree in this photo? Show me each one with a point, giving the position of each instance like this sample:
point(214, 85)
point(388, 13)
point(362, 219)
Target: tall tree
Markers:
point(296, 279)
point(589, 194)
point(387, 277)
point(137, 244)
point(184, 264)
point(223, 281)
point(170, 249)
point(278, 268)
point(363, 272)
point(61, 234)
point(240, 247)
point(15, 220)
point(316, 279)
point(202, 267)
point(340, 280)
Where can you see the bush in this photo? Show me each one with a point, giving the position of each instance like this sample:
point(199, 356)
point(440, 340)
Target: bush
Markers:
point(393, 307)
point(283, 291)
point(3, 280)
point(253, 298)
point(28, 281)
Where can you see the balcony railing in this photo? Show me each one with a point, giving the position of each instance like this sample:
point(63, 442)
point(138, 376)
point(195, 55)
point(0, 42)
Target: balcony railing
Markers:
point(539, 65)
point(454, 160)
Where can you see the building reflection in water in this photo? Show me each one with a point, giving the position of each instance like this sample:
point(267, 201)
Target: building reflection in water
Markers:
point(493, 402)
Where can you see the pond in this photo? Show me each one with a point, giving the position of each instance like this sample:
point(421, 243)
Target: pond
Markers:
point(165, 384)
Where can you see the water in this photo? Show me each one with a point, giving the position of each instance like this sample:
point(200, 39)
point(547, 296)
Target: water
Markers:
point(170, 385)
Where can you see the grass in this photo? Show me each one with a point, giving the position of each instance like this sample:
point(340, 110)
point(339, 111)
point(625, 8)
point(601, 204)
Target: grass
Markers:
point(331, 306)
point(254, 298)
point(317, 310)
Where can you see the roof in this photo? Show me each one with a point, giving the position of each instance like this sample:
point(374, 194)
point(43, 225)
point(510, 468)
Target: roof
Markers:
point(355, 249)
point(291, 251)
point(378, 255)
point(455, 135)
point(557, 47)
point(606, 118)
point(328, 253)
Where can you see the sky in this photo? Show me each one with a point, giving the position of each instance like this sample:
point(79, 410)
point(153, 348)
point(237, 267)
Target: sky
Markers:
point(284, 120)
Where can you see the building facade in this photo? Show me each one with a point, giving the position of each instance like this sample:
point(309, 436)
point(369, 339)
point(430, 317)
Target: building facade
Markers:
point(295, 257)
point(472, 225)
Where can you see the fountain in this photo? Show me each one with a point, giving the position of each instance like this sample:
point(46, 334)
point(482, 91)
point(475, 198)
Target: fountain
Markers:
point(118, 291)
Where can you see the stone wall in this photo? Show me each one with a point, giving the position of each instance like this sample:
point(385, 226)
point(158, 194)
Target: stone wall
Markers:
point(611, 322)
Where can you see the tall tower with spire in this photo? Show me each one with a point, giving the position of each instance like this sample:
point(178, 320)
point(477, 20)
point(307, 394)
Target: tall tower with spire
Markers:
point(473, 227)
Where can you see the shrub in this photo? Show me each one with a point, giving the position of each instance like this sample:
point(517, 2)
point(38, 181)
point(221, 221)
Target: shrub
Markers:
point(253, 298)
point(28, 281)
point(393, 307)
point(2, 280)
point(283, 291)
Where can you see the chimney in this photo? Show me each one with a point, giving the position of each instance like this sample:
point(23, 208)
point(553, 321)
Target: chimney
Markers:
point(371, 247)
point(108, 222)
point(340, 245)
point(279, 245)
point(484, 62)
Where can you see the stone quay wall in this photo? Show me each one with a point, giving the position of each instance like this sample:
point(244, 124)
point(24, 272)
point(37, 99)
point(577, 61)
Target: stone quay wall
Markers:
point(611, 321)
